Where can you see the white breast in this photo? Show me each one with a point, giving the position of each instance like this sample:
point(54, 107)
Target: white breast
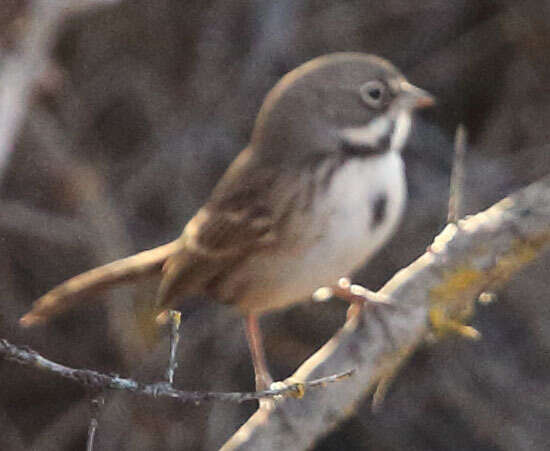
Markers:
point(342, 237)
point(352, 233)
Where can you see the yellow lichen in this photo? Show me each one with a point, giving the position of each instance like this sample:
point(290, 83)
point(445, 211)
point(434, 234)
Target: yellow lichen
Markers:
point(521, 253)
point(452, 301)
point(455, 284)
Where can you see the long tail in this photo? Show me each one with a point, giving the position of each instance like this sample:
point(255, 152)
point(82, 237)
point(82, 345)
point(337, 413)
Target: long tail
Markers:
point(67, 294)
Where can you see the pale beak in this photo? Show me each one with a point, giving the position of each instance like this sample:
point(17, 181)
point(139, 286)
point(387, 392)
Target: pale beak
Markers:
point(417, 98)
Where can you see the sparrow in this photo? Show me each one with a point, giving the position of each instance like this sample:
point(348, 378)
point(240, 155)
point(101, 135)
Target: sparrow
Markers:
point(318, 190)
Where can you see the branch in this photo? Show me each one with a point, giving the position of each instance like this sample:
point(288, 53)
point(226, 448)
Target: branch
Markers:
point(94, 379)
point(96, 405)
point(175, 321)
point(478, 254)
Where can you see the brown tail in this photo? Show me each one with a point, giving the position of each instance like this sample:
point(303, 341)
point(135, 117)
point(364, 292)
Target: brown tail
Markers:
point(67, 294)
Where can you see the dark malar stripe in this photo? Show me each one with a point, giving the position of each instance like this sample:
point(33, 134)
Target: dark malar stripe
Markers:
point(321, 175)
point(349, 149)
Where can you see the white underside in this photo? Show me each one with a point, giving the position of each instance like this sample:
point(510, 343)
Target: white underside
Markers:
point(340, 241)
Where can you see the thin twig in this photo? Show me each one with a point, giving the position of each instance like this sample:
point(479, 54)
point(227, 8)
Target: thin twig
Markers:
point(175, 322)
point(96, 380)
point(91, 434)
point(457, 176)
point(456, 199)
point(97, 403)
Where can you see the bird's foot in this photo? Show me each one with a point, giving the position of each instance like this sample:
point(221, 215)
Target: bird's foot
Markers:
point(357, 295)
point(359, 298)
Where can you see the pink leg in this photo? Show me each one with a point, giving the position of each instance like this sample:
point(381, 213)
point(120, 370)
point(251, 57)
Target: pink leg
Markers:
point(255, 343)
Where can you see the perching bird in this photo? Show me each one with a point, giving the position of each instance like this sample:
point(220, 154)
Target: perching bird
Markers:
point(319, 189)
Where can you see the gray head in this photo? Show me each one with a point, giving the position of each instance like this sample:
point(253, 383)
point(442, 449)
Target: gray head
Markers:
point(333, 98)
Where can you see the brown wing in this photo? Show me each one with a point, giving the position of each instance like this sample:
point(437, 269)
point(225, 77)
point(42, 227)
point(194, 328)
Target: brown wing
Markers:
point(237, 220)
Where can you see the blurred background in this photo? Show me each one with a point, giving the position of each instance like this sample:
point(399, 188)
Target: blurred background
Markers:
point(130, 124)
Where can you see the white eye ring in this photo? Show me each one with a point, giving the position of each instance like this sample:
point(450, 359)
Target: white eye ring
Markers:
point(373, 93)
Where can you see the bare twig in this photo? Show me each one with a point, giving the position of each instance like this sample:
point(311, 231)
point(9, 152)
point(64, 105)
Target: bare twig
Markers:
point(175, 322)
point(96, 380)
point(91, 434)
point(456, 193)
point(481, 253)
point(97, 403)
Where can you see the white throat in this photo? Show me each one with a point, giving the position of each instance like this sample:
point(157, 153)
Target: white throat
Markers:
point(396, 124)
point(401, 131)
point(370, 134)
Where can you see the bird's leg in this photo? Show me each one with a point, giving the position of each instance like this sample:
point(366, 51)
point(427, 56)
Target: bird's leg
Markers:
point(264, 380)
point(255, 343)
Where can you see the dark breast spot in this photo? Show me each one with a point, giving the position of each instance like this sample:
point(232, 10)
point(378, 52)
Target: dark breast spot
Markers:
point(379, 207)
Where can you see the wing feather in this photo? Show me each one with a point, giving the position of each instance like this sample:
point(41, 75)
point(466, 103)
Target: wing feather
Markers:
point(233, 223)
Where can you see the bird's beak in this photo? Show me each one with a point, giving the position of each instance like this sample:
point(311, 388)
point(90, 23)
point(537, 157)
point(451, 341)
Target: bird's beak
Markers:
point(415, 97)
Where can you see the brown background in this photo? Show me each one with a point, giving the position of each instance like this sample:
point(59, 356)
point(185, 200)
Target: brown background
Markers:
point(145, 106)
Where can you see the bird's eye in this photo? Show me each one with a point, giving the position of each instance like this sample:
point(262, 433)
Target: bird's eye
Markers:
point(373, 93)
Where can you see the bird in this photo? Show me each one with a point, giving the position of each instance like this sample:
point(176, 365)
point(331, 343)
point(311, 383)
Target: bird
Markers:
point(314, 195)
